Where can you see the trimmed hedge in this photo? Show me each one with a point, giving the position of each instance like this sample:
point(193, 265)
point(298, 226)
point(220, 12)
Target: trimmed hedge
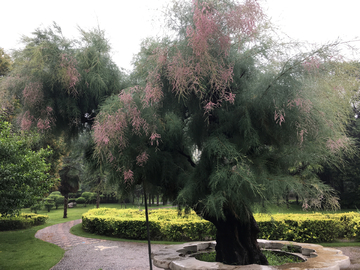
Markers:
point(309, 228)
point(23, 221)
point(167, 224)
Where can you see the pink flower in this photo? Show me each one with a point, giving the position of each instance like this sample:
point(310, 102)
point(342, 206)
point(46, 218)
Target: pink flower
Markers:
point(128, 176)
point(279, 117)
point(154, 138)
point(33, 95)
point(26, 121)
point(142, 159)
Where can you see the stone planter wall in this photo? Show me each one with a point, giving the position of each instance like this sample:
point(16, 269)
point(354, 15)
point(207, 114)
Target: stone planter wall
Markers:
point(180, 257)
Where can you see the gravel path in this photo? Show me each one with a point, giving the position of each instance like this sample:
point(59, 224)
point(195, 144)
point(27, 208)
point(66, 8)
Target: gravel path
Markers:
point(94, 254)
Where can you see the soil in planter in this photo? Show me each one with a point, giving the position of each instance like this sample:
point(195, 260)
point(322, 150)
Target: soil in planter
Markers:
point(272, 257)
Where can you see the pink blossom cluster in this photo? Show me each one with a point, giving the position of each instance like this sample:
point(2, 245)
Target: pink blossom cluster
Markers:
point(303, 104)
point(33, 94)
point(70, 74)
point(142, 158)
point(206, 28)
point(43, 122)
point(154, 138)
point(279, 116)
point(110, 128)
point(336, 145)
point(301, 135)
point(128, 176)
point(132, 113)
point(153, 88)
point(312, 64)
point(26, 121)
point(206, 72)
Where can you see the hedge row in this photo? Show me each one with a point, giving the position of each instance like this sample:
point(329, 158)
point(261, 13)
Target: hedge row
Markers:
point(164, 224)
point(168, 225)
point(23, 221)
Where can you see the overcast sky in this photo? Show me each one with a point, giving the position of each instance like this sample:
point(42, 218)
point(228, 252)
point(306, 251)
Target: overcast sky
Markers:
point(126, 23)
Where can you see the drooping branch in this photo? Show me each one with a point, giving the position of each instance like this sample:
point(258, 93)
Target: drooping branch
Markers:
point(189, 159)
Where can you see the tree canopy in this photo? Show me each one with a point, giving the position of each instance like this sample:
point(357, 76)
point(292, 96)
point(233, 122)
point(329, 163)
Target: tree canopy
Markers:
point(225, 118)
point(5, 63)
point(60, 82)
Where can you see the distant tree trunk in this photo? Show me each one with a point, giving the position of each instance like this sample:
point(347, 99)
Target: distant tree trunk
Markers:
point(98, 200)
point(164, 200)
point(66, 199)
point(153, 199)
point(287, 200)
point(157, 199)
point(236, 241)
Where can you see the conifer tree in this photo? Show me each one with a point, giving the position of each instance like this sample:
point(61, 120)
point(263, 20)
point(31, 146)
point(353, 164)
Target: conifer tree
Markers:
point(225, 119)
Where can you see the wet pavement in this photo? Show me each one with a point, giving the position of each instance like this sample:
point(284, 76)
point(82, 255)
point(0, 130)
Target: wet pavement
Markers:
point(88, 253)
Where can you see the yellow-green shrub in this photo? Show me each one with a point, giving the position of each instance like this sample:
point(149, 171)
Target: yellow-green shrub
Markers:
point(167, 224)
point(309, 227)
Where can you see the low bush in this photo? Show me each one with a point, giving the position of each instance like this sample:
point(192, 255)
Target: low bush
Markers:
point(23, 221)
point(49, 204)
point(36, 207)
point(81, 200)
point(164, 224)
point(309, 228)
point(167, 224)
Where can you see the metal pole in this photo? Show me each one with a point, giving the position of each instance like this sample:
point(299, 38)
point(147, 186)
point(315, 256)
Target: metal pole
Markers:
point(147, 225)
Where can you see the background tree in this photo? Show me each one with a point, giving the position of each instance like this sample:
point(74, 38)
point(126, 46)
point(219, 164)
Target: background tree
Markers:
point(5, 63)
point(261, 121)
point(70, 183)
point(58, 199)
point(23, 172)
point(60, 82)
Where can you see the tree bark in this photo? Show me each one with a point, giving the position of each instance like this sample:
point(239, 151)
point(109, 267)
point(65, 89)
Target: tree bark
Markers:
point(98, 200)
point(66, 199)
point(236, 241)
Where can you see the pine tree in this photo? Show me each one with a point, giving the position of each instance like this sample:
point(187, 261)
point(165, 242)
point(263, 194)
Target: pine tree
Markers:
point(225, 119)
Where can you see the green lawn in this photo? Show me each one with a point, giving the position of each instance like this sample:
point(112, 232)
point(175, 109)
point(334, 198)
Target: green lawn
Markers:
point(21, 250)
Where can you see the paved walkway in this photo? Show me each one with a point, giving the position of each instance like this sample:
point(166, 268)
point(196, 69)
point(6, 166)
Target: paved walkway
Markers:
point(94, 254)
point(60, 235)
point(88, 254)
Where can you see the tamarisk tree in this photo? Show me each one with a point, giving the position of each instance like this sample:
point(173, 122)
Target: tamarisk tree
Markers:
point(60, 82)
point(224, 120)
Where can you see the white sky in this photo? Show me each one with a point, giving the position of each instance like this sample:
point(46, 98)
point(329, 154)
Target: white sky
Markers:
point(127, 22)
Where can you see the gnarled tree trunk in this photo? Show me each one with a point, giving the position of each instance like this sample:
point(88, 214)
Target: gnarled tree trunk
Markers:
point(236, 241)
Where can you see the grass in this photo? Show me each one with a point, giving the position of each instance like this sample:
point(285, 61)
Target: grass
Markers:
point(21, 250)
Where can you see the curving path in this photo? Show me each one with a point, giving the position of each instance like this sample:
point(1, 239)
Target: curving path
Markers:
point(87, 253)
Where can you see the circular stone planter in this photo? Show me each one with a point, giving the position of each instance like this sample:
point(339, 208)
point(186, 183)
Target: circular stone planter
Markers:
point(182, 257)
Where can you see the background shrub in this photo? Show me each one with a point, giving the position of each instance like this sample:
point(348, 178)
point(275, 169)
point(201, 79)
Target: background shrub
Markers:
point(23, 221)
